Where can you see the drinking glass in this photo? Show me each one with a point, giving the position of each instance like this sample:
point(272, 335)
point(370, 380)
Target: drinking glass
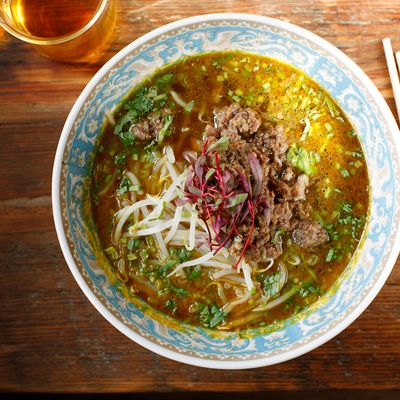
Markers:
point(76, 31)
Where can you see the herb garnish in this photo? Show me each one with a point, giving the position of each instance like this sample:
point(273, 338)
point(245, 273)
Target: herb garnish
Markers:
point(120, 158)
point(171, 305)
point(132, 243)
point(344, 172)
point(126, 186)
point(308, 288)
point(271, 285)
point(332, 255)
point(194, 273)
point(347, 224)
point(179, 291)
point(146, 100)
point(211, 316)
point(223, 200)
point(303, 159)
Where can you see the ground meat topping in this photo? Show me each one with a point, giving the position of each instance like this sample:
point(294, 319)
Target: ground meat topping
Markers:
point(309, 234)
point(282, 188)
point(300, 187)
point(143, 131)
point(237, 120)
point(148, 128)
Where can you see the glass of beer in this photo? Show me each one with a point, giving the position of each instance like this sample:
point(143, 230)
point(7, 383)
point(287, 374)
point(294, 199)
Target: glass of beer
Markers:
point(76, 31)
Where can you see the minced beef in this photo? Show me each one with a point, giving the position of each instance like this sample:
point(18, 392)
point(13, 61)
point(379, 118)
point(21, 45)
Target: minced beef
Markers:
point(148, 128)
point(309, 234)
point(282, 188)
point(237, 120)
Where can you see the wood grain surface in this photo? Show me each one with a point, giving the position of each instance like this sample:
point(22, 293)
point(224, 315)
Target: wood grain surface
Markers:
point(51, 337)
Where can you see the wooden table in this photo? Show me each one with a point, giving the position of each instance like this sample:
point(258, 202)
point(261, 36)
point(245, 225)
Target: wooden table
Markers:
point(51, 337)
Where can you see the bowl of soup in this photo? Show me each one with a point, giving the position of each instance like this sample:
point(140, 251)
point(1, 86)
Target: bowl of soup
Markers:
point(224, 191)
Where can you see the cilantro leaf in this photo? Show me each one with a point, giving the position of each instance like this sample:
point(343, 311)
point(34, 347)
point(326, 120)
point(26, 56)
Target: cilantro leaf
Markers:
point(271, 284)
point(194, 273)
point(146, 100)
point(217, 316)
point(142, 103)
point(120, 158)
point(165, 80)
point(212, 316)
point(309, 288)
point(171, 305)
point(164, 269)
point(179, 291)
point(126, 186)
point(182, 254)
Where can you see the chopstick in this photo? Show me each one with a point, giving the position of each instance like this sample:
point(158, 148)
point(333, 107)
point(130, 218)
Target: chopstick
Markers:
point(394, 76)
point(398, 60)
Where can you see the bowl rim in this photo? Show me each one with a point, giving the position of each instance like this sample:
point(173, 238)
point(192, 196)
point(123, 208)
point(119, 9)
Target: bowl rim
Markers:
point(56, 177)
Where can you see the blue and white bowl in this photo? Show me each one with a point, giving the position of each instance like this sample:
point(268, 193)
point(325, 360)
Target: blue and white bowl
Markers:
point(358, 97)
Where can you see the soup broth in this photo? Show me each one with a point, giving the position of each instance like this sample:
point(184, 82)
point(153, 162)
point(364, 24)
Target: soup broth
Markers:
point(229, 190)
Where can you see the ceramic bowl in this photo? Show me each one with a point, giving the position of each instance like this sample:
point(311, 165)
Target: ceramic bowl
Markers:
point(358, 97)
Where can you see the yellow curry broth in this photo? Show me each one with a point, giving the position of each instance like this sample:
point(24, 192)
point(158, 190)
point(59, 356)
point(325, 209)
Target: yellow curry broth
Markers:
point(283, 95)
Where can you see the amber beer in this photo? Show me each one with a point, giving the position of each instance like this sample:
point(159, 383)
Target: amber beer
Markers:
point(64, 30)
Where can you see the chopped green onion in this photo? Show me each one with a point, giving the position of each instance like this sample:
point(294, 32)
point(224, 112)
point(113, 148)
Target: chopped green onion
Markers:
point(347, 207)
point(328, 126)
point(112, 252)
point(344, 172)
point(266, 86)
point(332, 255)
point(303, 159)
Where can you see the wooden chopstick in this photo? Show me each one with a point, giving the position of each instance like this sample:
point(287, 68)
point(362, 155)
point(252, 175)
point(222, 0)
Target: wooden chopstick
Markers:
point(398, 60)
point(394, 76)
